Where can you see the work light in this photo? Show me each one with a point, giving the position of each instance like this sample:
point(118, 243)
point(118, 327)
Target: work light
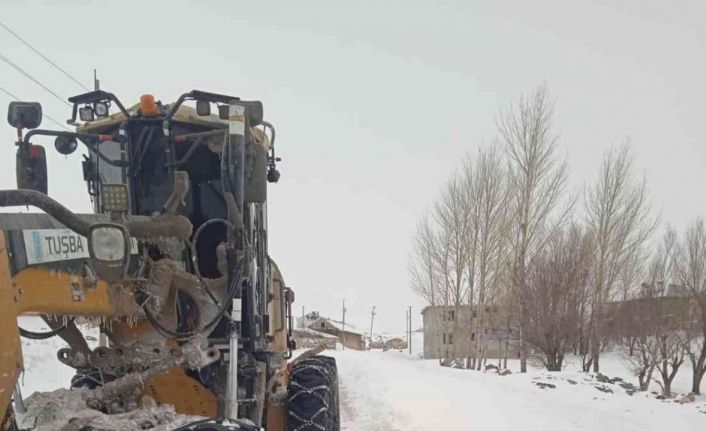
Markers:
point(86, 113)
point(114, 198)
point(101, 109)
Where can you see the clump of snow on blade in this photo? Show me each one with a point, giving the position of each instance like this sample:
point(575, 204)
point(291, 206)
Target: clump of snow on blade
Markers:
point(65, 410)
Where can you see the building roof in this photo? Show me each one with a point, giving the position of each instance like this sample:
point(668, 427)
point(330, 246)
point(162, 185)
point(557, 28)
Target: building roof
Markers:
point(339, 325)
point(439, 307)
point(314, 333)
point(312, 317)
point(456, 307)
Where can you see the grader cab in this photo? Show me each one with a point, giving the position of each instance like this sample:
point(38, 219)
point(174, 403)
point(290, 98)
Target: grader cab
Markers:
point(172, 266)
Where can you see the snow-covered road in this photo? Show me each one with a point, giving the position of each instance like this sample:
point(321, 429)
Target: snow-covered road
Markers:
point(388, 391)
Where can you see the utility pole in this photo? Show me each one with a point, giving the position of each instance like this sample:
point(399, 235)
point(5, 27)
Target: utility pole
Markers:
point(406, 326)
point(372, 317)
point(410, 330)
point(303, 318)
point(343, 327)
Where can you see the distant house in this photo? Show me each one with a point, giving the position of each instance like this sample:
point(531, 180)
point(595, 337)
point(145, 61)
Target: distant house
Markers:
point(308, 339)
point(347, 335)
point(672, 309)
point(394, 343)
point(451, 332)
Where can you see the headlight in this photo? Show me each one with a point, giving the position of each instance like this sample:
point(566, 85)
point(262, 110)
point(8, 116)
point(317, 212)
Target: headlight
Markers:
point(109, 248)
point(108, 243)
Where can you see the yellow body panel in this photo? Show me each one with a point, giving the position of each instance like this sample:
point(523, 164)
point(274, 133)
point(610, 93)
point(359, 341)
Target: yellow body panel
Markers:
point(187, 395)
point(42, 291)
point(276, 417)
point(10, 347)
point(278, 328)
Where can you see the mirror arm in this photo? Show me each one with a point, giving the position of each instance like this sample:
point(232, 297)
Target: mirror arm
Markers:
point(86, 139)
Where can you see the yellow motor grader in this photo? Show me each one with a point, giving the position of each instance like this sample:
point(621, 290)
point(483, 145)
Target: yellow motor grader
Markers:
point(172, 266)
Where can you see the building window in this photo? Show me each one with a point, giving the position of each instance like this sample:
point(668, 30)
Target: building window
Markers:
point(447, 338)
point(449, 315)
point(473, 336)
point(323, 325)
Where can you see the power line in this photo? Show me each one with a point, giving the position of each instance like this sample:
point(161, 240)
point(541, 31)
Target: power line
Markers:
point(48, 117)
point(33, 79)
point(56, 66)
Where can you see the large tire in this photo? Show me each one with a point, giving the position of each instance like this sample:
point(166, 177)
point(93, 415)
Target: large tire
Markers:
point(312, 396)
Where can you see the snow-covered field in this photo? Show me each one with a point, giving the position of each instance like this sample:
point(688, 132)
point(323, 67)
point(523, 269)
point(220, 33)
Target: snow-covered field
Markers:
point(393, 391)
point(388, 391)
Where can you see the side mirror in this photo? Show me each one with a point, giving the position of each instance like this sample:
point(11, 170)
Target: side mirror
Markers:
point(109, 249)
point(24, 115)
point(31, 168)
point(65, 144)
point(203, 108)
point(253, 110)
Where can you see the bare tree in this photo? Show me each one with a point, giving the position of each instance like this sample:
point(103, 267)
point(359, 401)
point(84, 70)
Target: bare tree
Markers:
point(451, 216)
point(644, 322)
point(691, 273)
point(557, 279)
point(644, 357)
point(472, 212)
point(665, 312)
point(618, 213)
point(671, 352)
point(488, 206)
point(536, 183)
point(423, 276)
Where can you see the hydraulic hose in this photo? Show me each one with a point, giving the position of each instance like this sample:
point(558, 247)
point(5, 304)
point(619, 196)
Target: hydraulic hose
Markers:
point(43, 335)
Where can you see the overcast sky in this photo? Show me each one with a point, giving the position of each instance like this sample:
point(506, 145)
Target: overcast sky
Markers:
point(375, 103)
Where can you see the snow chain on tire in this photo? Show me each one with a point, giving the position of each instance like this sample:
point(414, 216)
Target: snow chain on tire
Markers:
point(312, 396)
